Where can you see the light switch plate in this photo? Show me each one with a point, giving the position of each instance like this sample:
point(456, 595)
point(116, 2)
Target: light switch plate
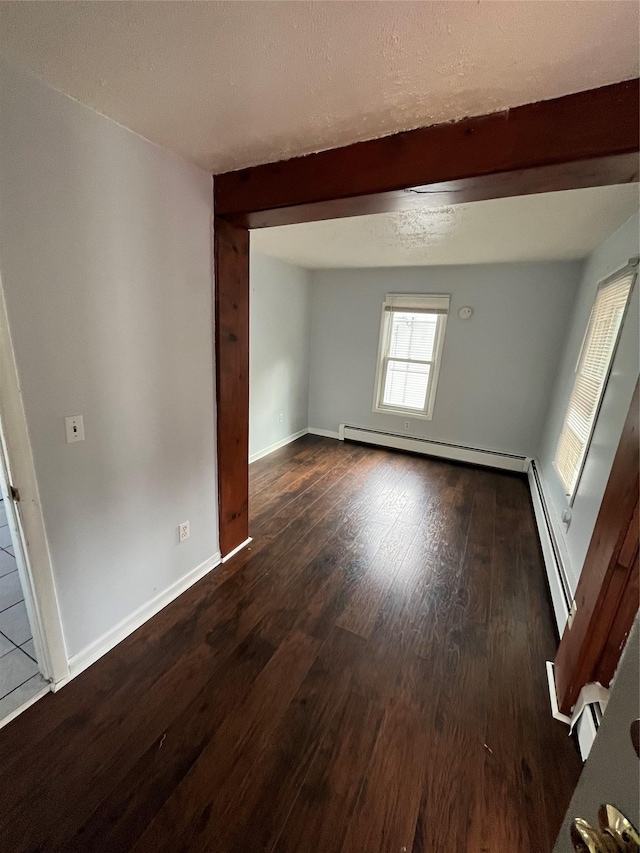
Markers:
point(74, 427)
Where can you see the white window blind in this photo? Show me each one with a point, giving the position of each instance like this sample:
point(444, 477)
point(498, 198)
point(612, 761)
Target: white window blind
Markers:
point(411, 342)
point(592, 373)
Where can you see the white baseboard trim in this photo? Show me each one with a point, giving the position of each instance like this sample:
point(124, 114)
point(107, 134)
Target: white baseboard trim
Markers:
point(277, 445)
point(79, 662)
point(585, 726)
point(551, 549)
point(441, 449)
point(236, 549)
point(327, 433)
point(556, 713)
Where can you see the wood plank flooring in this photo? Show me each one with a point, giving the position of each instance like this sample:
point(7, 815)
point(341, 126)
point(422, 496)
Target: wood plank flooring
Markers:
point(367, 678)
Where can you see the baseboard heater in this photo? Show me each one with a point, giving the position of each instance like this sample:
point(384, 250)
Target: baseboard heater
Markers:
point(561, 599)
point(553, 559)
point(443, 449)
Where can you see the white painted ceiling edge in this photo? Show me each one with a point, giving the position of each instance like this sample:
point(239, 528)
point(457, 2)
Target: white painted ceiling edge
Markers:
point(232, 84)
point(545, 227)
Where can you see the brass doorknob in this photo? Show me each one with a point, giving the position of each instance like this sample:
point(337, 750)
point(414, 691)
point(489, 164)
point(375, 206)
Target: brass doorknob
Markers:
point(616, 834)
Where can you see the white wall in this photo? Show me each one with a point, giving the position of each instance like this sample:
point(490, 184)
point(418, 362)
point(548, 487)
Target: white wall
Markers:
point(105, 256)
point(497, 368)
point(613, 254)
point(280, 328)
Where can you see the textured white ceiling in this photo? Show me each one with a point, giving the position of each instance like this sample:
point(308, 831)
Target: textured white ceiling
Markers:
point(232, 84)
point(545, 227)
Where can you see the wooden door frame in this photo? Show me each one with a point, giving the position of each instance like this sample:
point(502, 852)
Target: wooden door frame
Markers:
point(607, 592)
point(581, 140)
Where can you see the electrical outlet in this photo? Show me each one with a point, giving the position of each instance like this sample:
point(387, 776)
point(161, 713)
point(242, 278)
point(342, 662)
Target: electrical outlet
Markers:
point(281, 417)
point(183, 531)
point(407, 424)
point(74, 428)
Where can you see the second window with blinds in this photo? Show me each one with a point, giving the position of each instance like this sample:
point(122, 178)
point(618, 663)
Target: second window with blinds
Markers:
point(409, 354)
point(591, 376)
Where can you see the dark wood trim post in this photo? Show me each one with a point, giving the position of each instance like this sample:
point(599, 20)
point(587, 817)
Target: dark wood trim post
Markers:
point(231, 281)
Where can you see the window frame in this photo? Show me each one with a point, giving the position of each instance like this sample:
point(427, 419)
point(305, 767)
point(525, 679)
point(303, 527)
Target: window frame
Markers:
point(630, 268)
point(395, 303)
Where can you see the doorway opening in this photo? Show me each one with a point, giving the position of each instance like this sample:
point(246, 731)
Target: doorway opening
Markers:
point(21, 679)
point(33, 657)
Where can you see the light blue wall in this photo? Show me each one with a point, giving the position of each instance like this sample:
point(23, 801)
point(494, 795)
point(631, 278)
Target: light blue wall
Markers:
point(105, 255)
point(610, 256)
point(498, 368)
point(280, 328)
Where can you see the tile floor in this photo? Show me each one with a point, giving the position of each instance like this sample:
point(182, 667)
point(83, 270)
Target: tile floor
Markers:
point(20, 678)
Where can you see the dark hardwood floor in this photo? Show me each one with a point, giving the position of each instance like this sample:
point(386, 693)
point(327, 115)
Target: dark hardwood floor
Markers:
point(369, 676)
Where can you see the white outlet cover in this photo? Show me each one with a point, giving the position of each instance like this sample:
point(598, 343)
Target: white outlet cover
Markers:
point(183, 531)
point(74, 428)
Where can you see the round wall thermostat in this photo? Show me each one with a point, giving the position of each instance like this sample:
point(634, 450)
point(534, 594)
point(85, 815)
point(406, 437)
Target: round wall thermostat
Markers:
point(465, 313)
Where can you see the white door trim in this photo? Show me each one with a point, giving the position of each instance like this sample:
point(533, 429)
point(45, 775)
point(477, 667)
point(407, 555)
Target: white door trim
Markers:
point(34, 559)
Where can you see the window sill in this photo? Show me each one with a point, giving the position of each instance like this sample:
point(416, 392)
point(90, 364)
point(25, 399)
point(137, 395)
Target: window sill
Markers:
point(403, 413)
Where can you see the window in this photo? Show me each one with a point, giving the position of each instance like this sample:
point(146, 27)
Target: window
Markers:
point(411, 339)
point(592, 373)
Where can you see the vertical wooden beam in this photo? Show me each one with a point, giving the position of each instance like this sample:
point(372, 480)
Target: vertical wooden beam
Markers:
point(607, 575)
point(231, 274)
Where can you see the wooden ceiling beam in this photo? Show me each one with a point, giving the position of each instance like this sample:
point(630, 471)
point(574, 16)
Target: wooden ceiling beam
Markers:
point(587, 139)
